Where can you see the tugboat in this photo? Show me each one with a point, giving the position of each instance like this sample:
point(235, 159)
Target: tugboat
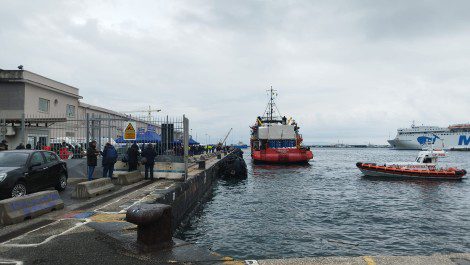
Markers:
point(276, 140)
point(424, 167)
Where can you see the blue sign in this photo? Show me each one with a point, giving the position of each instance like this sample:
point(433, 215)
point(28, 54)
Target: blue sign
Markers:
point(464, 140)
point(422, 140)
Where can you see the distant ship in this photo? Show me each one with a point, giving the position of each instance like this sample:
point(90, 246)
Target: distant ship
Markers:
point(454, 137)
point(240, 145)
point(274, 139)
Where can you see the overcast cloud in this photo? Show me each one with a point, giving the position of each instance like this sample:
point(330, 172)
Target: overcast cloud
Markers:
point(351, 71)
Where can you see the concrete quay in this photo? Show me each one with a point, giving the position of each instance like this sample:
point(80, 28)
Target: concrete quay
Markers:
point(94, 230)
point(437, 259)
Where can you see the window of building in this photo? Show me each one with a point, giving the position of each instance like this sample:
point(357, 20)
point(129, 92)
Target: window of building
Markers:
point(44, 105)
point(70, 111)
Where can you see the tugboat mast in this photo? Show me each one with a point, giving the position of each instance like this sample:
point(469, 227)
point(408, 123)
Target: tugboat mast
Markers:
point(271, 104)
point(270, 116)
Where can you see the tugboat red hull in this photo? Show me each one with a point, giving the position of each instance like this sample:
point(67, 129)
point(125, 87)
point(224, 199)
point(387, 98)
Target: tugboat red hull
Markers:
point(282, 156)
point(373, 170)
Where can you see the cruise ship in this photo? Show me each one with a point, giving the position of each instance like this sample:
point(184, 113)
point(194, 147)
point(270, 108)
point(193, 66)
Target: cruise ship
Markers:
point(454, 137)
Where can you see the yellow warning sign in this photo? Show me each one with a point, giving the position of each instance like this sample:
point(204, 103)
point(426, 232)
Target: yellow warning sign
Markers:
point(129, 131)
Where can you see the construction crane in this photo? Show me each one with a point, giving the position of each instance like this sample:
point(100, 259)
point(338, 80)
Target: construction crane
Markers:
point(226, 136)
point(149, 111)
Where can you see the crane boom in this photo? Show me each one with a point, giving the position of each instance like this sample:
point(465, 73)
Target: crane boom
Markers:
point(226, 136)
point(149, 111)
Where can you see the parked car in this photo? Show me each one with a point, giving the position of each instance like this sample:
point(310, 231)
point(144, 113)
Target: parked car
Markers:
point(27, 171)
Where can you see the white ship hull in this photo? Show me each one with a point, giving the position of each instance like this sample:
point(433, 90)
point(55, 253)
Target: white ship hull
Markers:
point(444, 139)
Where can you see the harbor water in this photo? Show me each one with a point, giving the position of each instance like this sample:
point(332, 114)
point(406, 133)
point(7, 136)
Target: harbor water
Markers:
point(327, 208)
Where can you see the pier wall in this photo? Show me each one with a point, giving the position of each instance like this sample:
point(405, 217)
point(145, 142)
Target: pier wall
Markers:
point(185, 196)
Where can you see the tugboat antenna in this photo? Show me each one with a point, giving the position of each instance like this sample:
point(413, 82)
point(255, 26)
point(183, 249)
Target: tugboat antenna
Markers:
point(271, 105)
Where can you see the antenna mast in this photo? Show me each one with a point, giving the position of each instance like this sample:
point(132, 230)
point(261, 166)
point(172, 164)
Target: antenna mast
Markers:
point(271, 104)
point(269, 113)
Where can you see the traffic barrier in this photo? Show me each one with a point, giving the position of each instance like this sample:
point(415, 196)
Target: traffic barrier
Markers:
point(127, 178)
point(18, 209)
point(93, 188)
point(169, 170)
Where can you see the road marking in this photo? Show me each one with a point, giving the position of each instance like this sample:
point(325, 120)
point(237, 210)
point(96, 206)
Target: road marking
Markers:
point(128, 196)
point(108, 218)
point(16, 262)
point(77, 225)
point(369, 260)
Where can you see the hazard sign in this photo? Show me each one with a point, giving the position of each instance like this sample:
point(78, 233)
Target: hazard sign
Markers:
point(130, 131)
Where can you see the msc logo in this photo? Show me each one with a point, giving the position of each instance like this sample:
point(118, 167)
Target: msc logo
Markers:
point(463, 140)
point(422, 140)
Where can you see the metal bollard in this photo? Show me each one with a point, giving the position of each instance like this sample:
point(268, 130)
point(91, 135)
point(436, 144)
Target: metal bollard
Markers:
point(153, 224)
point(202, 164)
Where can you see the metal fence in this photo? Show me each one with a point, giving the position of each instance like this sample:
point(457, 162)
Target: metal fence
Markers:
point(70, 136)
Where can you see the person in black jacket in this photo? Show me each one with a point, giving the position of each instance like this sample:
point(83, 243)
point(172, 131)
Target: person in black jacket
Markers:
point(91, 158)
point(110, 155)
point(133, 154)
point(149, 153)
point(4, 145)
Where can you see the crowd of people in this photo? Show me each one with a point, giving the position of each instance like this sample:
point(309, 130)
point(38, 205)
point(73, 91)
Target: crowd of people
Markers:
point(133, 156)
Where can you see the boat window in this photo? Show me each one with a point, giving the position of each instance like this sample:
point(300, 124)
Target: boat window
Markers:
point(427, 160)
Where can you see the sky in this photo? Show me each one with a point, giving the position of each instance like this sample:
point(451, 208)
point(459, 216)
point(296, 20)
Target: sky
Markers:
point(347, 71)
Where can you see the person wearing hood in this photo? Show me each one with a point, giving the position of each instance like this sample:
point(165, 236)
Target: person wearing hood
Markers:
point(133, 155)
point(110, 156)
point(149, 154)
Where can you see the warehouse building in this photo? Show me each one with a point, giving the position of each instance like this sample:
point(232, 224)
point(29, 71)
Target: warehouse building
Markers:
point(40, 111)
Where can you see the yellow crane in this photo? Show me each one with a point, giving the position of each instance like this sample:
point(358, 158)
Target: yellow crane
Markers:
point(149, 111)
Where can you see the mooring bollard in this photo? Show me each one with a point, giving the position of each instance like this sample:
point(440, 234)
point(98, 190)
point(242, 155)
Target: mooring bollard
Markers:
point(202, 164)
point(153, 224)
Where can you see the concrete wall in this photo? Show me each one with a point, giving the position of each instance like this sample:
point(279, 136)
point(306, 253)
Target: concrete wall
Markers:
point(57, 106)
point(12, 99)
point(185, 196)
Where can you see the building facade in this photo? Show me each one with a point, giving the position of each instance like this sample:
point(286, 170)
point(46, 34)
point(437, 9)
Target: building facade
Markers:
point(40, 111)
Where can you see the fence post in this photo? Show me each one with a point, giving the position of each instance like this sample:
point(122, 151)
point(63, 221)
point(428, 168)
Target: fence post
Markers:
point(87, 129)
point(166, 135)
point(3, 128)
point(109, 128)
point(23, 128)
point(186, 145)
point(99, 132)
